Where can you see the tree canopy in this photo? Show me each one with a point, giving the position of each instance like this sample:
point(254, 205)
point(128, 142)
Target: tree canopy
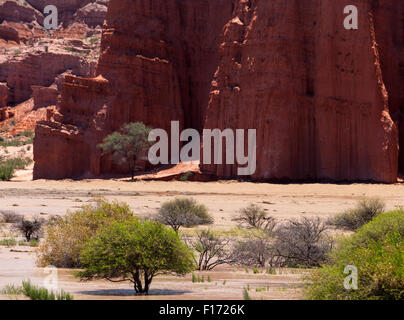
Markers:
point(135, 251)
point(127, 144)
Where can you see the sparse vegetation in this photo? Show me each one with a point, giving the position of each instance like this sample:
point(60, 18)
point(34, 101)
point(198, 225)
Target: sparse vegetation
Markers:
point(246, 295)
point(212, 250)
point(183, 212)
point(256, 252)
point(10, 216)
point(186, 176)
point(302, 243)
point(135, 251)
point(127, 145)
point(377, 250)
point(255, 216)
point(11, 242)
point(7, 167)
point(364, 212)
point(35, 293)
point(30, 228)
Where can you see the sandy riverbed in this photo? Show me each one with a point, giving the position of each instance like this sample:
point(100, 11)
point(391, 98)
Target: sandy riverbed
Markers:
point(223, 200)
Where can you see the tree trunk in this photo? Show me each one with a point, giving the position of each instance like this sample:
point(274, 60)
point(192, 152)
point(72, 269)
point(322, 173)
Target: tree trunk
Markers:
point(132, 170)
point(138, 286)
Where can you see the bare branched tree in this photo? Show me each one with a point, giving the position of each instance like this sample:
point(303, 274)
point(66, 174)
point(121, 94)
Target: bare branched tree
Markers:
point(30, 228)
point(255, 216)
point(257, 252)
point(302, 242)
point(211, 249)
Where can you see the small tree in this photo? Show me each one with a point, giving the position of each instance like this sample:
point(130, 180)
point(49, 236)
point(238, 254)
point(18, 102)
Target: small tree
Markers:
point(30, 228)
point(212, 250)
point(184, 212)
point(255, 216)
point(302, 242)
point(126, 145)
point(135, 251)
point(257, 252)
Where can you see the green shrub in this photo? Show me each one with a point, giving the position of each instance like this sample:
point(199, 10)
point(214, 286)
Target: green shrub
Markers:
point(246, 295)
point(136, 251)
point(66, 236)
point(12, 289)
point(37, 293)
point(186, 176)
point(377, 250)
point(6, 172)
point(364, 212)
point(185, 212)
point(7, 167)
point(26, 133)
point(8, 242)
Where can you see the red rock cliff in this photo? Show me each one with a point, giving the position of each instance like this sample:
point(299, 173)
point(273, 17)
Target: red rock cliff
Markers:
point(314, 91)
point(319, 96)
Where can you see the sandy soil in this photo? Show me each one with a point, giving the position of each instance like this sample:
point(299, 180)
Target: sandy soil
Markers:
point(223, 200)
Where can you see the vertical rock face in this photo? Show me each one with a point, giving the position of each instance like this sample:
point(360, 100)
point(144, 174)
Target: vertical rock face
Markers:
point(319, 96)
point(158, 59)
point(313, 90)
point(3, 94)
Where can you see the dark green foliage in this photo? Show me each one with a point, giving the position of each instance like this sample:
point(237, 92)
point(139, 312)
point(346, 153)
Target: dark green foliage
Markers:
point(135, 251)
point(128, 144)
point(183, 212)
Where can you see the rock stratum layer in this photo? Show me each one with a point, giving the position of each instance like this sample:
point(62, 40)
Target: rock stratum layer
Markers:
point(326, 102)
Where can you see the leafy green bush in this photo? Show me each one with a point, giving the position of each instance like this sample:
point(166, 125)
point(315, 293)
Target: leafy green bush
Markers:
point(364, 212)
point(65, 237)
point(185, 212)
point(136, 251)
point(377, 250)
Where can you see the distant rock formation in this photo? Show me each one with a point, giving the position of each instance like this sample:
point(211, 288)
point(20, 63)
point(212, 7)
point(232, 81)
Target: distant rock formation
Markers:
point(327, 103)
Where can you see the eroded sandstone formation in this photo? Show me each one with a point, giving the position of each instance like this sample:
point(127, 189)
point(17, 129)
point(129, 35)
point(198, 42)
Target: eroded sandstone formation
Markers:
point(326, 102)
point(33, 60)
